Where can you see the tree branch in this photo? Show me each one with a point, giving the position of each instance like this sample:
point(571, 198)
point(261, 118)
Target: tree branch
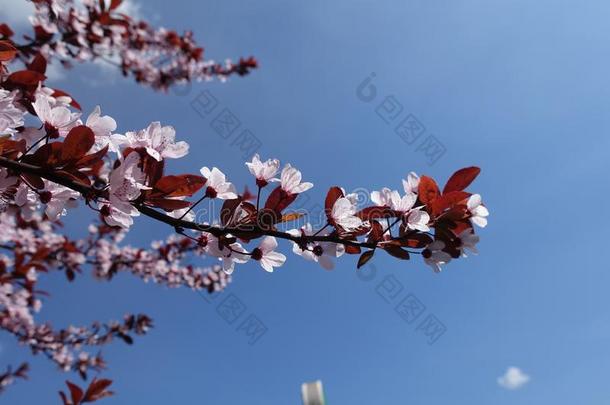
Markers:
point(91, 193)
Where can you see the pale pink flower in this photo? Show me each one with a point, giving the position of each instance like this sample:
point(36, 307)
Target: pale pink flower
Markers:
point(217, 184)
point(124, 186)
point(343, 214)
point(56, 198)
point(434, 256)
point(58, 120)
point(320, 252)
point(263, 171)
point(411, 184)
point(478, 210)
point(103, 127)
point(267, 256)
point(468, 241)
point(291, 181)
point(11, 116)
point(229, 256)
point(413, 218)
point(382, 198)
point(158, 141)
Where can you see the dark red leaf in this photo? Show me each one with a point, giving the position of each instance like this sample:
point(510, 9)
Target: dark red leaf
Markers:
point(168, 204)
point(365, 257)
point(76, 176)
point(180, 186)
point(92, 159)
point(48, 155)
point(461, 179)
point(278, 200)
point(38, 64)
point(6, 31)
point(334, 193)
point(115, 4)
point(78, 142)
point(7, 51)
point(396, 251)
point(352, 250)
point(8, 146)
point(228, 209)
point(26, 78)
point(417, 240)
point(370, 213)
point(33, 180)
point(97, 390)
point(75, 392)
point(376, 232)
point(428, 190)
point(448, 200)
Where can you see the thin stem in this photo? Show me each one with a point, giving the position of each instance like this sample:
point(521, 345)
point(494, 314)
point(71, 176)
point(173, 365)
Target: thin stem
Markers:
point(321, 229)
point(258, 197)
point(33, 146)
point(193, 206)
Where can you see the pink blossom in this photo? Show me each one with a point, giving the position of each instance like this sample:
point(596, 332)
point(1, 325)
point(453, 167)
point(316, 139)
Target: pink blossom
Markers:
point(158, 141)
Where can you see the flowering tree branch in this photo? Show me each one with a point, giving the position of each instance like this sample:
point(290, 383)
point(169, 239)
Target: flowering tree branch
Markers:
point(97, 30)
point(52, 157)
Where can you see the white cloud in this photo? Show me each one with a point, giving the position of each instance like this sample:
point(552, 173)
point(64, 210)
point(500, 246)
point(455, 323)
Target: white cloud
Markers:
point(16, 12)
point(513, 379)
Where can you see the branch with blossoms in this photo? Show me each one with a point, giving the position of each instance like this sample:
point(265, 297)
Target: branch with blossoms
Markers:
point(52, 157)
point(90, 30)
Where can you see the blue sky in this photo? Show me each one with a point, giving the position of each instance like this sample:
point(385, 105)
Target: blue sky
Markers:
point(516, 87)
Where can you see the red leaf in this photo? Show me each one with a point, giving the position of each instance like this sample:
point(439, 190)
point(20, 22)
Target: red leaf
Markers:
point(352, 250)
point(78, 142)
point(115, 4)
point(334, 193)
point(417, 240)
point(92, 159)
point(448, 200)
point(375, 212)
point(461, 179)
point(76, 176)
point(75, 392)
point(26, 78)
point(167, 204)
point(38, 64)
point(376, 232)
point(428, 190)
point(180, 186)
point(397, 252)
point(48, 155)
point(365, 257)
point(97, 390)
point(278, 200)
point(228, 209)
point(6, 31)
point(33, 180)
point(7, 51)
point(8, 146)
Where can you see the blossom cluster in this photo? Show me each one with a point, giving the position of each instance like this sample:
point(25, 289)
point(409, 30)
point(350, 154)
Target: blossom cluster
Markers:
point(31, 247)
point(66, 31)
point(122, 176)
